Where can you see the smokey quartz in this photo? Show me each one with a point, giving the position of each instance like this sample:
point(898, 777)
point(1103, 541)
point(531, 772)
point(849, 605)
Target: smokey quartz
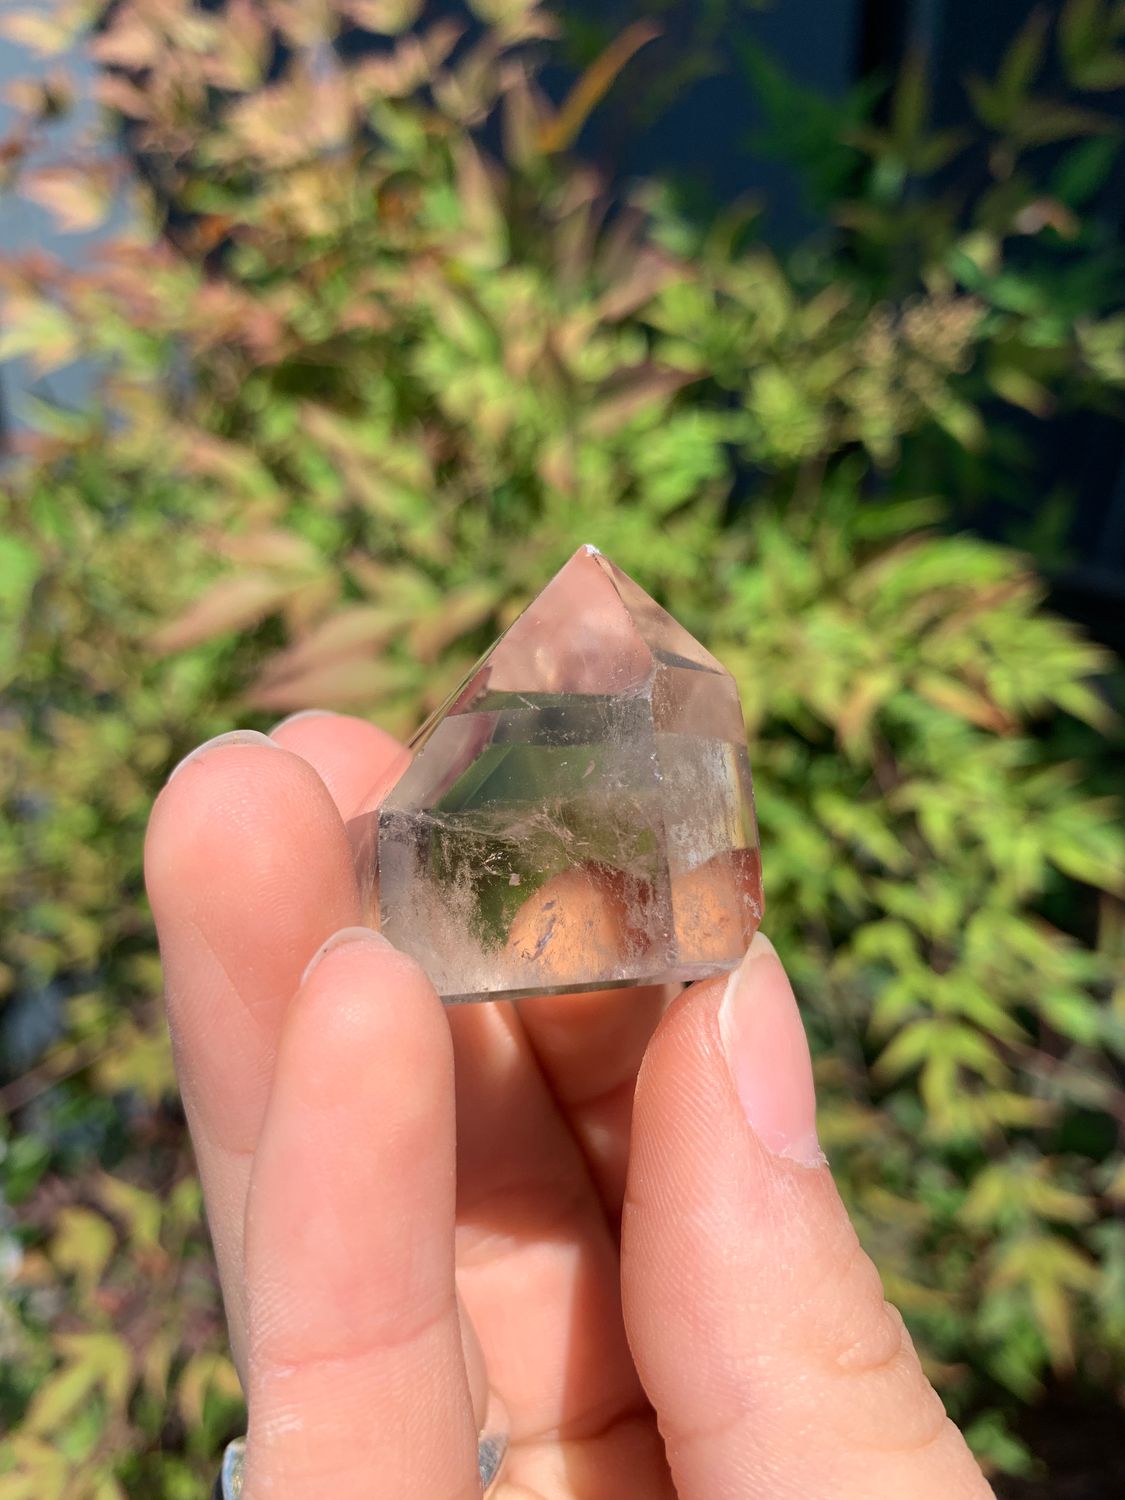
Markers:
point(579, 814)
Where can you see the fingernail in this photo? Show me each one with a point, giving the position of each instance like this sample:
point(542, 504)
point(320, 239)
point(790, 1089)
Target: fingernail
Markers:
point(234, 737)
point(768, 1056)
point(304, 713)
point(342, 939)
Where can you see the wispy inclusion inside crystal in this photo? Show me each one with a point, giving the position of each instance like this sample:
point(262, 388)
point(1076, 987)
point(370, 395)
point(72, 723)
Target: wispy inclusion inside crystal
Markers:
point(579, 814)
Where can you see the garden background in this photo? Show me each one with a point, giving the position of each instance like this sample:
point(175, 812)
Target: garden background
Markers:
point(381, 310)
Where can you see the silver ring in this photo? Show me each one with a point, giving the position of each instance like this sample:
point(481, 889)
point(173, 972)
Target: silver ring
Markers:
point(234, 1462)
point(492, 1449)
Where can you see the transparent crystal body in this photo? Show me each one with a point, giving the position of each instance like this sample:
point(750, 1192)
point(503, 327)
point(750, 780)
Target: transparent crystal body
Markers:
point(579, 814)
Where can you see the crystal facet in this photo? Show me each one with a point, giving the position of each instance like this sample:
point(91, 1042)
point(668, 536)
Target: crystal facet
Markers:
point(579, 814)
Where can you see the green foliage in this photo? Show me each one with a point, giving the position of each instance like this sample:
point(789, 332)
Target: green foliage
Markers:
point(365, 385)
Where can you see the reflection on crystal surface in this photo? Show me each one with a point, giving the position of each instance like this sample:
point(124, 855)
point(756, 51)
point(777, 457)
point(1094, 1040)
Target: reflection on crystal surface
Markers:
point(579, 814)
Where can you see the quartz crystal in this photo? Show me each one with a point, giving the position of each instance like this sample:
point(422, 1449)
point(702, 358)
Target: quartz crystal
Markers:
point(579, 814)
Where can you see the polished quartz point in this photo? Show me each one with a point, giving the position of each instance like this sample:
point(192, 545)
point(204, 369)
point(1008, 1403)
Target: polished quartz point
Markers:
point(579, 814)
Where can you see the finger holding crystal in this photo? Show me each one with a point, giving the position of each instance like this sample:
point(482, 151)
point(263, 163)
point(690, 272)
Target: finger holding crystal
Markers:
point(248, 871)
point(357, 1380)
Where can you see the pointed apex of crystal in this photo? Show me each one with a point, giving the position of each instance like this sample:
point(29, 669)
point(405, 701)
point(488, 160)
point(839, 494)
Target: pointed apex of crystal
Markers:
point(665, 637)
point(591, 630)
point(579, 814)
point(576, 636)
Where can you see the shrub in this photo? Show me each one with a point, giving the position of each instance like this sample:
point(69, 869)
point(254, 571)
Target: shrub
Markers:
point(375, 354)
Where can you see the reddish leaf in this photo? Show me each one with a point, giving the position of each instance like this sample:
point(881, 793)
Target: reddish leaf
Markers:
point(648, 385)
point(383, 17)
point(78, 201)
point(343, 684)
point(650, 273)
point(355, 631)
point(115, 92)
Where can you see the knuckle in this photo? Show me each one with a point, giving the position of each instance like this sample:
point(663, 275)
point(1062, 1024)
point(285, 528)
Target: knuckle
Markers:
point(875, 1341)
point(868, 1346)
point(280, 1358)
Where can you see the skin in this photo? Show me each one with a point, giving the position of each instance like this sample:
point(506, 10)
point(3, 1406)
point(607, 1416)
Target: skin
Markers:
point(607, 1212)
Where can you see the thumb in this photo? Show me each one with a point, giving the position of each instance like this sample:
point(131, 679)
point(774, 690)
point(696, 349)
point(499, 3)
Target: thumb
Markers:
point(759, 1327)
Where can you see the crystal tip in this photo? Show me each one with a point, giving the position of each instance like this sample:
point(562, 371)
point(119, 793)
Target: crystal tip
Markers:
point(590, 550)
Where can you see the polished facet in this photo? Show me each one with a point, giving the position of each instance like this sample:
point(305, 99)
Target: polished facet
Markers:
point(579, 814)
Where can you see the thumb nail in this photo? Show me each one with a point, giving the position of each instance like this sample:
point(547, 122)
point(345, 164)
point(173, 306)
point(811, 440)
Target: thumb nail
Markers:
point(768, 1056)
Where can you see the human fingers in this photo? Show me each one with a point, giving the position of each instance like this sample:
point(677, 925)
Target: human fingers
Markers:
point(589, 1048)
point(538, 1263)
point(776, 1367)
point(248, 871)
point(357, 1382)
point(354, 759)
point(538, 1269)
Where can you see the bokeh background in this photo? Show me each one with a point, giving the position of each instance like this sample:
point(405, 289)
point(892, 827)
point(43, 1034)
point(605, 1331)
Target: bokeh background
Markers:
point(328, 330)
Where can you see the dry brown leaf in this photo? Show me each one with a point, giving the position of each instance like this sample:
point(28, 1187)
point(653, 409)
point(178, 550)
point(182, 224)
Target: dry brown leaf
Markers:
point(354, 630)
point(342, 684)
point(128, 41)
point(270, 547)
point(233, 603)
point(964, 701)
point(560, 132)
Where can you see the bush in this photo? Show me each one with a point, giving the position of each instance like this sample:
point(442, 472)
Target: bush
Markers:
point(377, 353)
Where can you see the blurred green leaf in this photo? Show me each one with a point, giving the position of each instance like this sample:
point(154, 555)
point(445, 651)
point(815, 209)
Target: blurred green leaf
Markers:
point(1084, 170)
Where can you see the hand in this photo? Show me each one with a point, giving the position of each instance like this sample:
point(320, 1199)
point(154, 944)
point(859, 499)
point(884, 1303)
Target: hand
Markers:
point(668, 1295)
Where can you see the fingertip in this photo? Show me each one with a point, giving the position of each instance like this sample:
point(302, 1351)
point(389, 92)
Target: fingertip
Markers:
point(354, 1322)
point(362, 1002)
point(361, 937)
point(780, 1339)
point(303, 715)
point(232, 738)
point(350, 755)
point(235, 794)
point(228, 764)
point(363, 1085)
point(686, 1025)
point(767, 1053)
point(359, 952)
point(247, 865)
point(180, 792)
point(753, 1016)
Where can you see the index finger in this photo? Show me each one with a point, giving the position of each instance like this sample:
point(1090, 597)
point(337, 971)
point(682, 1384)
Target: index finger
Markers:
point(353, 758)
point(248, 871)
